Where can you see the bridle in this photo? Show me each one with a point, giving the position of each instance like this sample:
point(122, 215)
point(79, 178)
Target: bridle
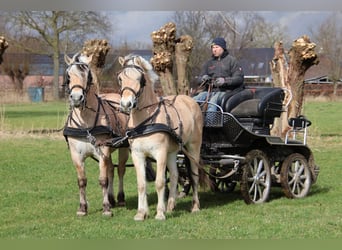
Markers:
point(66, 83)
point(142, 79)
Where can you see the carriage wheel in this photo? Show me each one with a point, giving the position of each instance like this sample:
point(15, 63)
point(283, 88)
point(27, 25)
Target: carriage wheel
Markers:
point(295, 176)
point(256, 178)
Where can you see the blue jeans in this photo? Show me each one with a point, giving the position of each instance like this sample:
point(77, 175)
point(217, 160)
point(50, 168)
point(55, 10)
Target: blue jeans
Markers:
point(214, 98)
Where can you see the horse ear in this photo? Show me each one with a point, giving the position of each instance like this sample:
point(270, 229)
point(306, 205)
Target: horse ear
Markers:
point(121, 60)
point(138, 60)
point(67, 59)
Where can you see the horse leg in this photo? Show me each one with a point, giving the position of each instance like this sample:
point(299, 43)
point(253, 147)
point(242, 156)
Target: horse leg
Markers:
point(139, 165)
point(82, 184)
point(110, 188)
point(195, 178)
point(172, 166)
point(160, 184)
point(105, 164)
point(81, 181)
point(123, 155)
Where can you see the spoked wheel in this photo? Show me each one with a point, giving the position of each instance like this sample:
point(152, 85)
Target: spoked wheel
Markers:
point(256, 178)
point(295, 176)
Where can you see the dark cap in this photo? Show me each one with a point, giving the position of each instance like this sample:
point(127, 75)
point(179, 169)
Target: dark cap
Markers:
point(220, 42)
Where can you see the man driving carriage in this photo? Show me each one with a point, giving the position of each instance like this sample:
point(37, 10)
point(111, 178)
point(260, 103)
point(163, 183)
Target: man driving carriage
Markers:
point(221, 73)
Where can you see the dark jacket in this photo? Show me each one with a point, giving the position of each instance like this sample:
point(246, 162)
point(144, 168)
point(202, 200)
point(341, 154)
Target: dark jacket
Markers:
point(227, 67)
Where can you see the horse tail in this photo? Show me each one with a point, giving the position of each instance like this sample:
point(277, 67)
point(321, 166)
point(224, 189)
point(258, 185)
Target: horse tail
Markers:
point(204, 180)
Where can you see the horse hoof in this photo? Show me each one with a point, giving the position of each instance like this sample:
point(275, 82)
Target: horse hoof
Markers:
point(195, 209)
point(111, 201)
point(81, 213)
point(121, 203)
point(160, 216)
point(170, 206)
point(107, 213)
point(140, 216)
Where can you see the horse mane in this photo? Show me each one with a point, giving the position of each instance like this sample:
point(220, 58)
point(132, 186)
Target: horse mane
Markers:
point(150, 75)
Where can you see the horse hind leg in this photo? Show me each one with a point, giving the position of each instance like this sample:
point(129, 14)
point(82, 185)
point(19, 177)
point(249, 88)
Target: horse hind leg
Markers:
point(173, 171)
point(123, 155)
point(110, 191)
point(106, 166)
point(194, 168)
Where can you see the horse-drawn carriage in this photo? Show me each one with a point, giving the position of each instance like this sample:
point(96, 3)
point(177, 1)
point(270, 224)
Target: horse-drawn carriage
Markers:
point(237, 147)
point(234, 144)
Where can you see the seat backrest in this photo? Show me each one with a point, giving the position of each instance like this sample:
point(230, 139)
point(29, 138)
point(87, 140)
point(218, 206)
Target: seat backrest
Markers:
point(228, 102)
point(253, 101)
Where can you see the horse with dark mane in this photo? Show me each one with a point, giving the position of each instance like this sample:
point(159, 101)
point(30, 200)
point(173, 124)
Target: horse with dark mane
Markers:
point(158, 128)
point(94, 119)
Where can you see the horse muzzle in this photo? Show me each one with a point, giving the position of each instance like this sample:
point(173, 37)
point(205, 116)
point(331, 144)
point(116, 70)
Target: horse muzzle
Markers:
point(76, 98)
point(128, 105)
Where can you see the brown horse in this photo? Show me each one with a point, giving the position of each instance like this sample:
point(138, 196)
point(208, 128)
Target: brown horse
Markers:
point(159, 128)
point(93, 119)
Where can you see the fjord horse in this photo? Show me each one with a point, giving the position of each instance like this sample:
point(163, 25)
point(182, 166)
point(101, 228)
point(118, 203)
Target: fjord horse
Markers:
point(93, 119)
point(159, 128)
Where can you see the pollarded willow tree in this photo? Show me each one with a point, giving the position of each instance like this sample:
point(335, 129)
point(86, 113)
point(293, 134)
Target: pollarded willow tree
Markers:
point(56, 31)
point(168, 50)
point(290, 75)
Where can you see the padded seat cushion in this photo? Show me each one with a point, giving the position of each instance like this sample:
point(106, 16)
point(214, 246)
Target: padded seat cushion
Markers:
point(249, 108)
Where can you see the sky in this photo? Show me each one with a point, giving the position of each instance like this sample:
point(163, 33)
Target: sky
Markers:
point(137, 26)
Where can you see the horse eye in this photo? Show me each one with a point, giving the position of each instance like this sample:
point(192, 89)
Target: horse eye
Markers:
point(119, 80)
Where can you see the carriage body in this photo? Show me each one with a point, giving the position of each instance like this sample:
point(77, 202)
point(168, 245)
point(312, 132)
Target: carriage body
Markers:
point(237, 147)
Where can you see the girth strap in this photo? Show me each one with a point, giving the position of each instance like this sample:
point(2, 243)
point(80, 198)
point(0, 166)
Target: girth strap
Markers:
point(147, 129)
point(82, 132)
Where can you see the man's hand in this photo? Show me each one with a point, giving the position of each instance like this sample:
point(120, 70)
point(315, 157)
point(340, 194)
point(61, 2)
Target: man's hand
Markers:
point(219, 82)
point(205, 78)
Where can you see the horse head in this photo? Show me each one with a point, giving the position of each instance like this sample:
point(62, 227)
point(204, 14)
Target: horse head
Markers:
point(78, 78)
point(137, 73)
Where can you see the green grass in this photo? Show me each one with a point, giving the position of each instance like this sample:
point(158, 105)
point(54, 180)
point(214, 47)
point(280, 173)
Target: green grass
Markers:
point(32, 116)
point(39, 193)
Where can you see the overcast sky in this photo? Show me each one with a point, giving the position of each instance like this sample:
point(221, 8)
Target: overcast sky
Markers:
point(137, 26)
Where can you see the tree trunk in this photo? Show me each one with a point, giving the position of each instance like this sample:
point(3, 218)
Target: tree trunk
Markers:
point(183, 50)
point(302, 57)
point(279, 70)
point(56, 75)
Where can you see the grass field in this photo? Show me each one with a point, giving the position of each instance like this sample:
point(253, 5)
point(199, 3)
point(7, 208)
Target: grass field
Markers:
point(39, 193)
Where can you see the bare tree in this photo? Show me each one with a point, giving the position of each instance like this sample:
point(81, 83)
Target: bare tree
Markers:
point(53, 27)
point(290, 75)
point(328, 38)
point(240, 29)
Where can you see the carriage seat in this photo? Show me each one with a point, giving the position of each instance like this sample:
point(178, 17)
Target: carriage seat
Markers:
point(255, 102)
